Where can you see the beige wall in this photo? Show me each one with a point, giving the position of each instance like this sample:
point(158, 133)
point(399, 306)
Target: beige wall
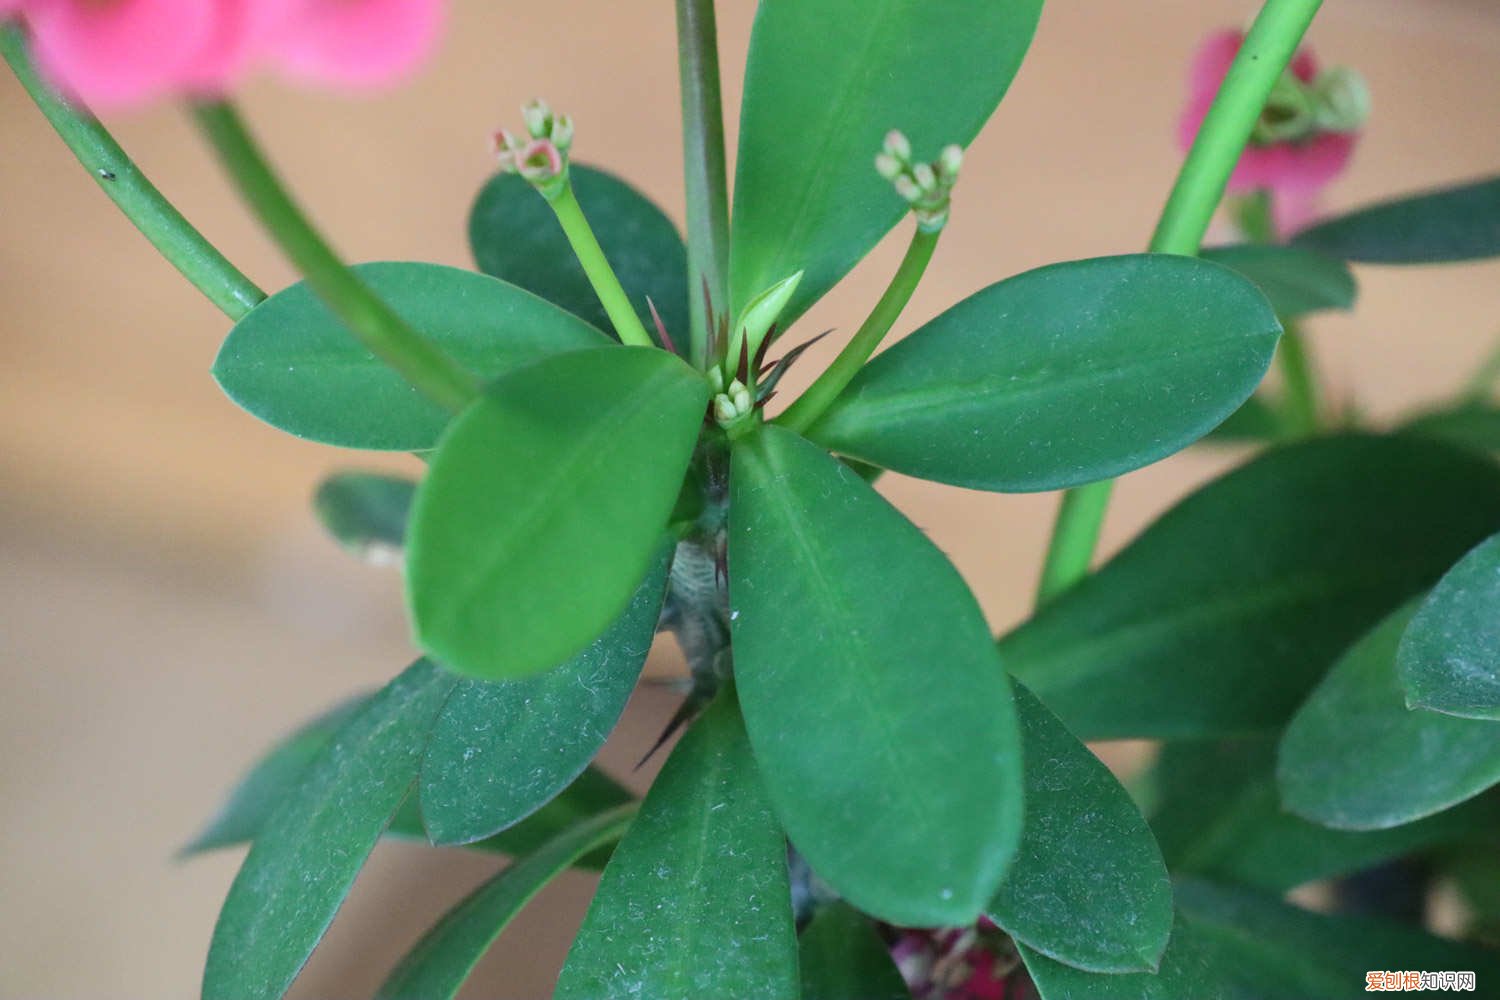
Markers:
point(167, 605)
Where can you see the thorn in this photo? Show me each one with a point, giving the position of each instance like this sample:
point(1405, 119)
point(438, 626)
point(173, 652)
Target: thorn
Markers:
point(779, 369)
point(760, 403)
point(685, 713)
point(661, 328)
point(765, 345)
point(742, 370)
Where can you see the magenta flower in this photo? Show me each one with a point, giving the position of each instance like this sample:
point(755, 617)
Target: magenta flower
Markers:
point(974, 963)
point(1304, 140)
point(122, 53)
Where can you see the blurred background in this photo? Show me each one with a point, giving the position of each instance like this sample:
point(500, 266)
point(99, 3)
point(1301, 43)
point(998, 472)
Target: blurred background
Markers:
point(168, 606)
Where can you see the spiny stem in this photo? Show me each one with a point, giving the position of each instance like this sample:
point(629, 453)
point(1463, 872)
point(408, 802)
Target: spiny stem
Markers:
point(703, 167)
point(606, 285)
point(808, 407)
point(377, 326)
point(1267, 50)
point(173, 236)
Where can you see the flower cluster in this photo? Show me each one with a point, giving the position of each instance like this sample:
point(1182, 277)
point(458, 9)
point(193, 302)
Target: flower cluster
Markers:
point(963, 963)
point(926, 187)
point(1305, 136)
point(542, 157)
point(121, 53)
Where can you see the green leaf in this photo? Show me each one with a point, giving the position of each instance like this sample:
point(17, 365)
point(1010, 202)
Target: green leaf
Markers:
point(305, 860)
point(278, 774)
point(1433, 227)
point(1294, 279)
point(1472, 425)
point(879, 712)
point(1356, 758)
point(1223, 614)
point(1061, 376)
point(293, 365)
point(695, 902)
point(543, 505)
point(516, 237)
point(366, 512)
point(1449, 658)
point(1255, 421)
point(500, 750)
point(435, 969)
point(1088, 886)
point(1220, 816)
point(1238, 945)
point(824, 81)
point(844, 958)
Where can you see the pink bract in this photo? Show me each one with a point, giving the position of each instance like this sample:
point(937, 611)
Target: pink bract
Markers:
point(1295, 173)
point(359, 43)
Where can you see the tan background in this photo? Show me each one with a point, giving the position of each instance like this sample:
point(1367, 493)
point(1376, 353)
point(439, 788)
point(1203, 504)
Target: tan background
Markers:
point(167, 605)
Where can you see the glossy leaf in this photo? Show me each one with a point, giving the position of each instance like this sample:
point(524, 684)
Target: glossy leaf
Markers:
point(880, 714)
point(435, 969)
point(1475, 426)
point(1448, 224)
point(1088, 886)
point(1061, 376)
point(1355, 757)
point(516, 237)
point(1293, 279)
point(1220, 816)
point(1223, 614)
point(366, 513)
point(1254, 421)
point(1449, 658)
point(695, 902)
point(1238, 945)
point(305, 860)
point(500, 750)
point(844, 958)
point(291, 363)
point(543, 505)
point(824, 81)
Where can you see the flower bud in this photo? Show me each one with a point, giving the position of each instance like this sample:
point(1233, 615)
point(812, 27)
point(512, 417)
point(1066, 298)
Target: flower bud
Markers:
point(538, 117)
point(1341, 100)
point(949, 162)
point(897, 145)
point(888, 166)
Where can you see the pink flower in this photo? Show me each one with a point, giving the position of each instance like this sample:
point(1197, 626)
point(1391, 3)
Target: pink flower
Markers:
point(974, 963)
point(121, 53)
point(1293, 160)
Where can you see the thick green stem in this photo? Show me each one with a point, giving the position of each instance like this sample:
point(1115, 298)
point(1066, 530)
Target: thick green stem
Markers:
point(606, 285)
point(1300, 406)
point(172, 235)
point(808, 407)
point(703, 168)
point(1267, 49)
point(377, 326)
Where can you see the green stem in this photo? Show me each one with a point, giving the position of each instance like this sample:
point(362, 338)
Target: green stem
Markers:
point(703, 168)
point(808, 407)
point(1300, 406)
point(1479, 387)
point(377, 326)
point(606, 285)
point(172, 235)
point(1267, 49)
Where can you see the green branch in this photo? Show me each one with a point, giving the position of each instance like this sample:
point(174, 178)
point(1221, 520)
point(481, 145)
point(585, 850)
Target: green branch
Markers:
point(377, 326)
point(703, 167)
point(1264, 56)
point(172, 235)
point(590, 254)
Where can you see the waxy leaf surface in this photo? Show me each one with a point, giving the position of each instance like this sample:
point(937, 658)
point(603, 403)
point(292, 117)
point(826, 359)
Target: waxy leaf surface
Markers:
point(1061, 376)
point(543, 505)
point(825, 80)
point(880, 713)
point(515, 236)
point(695, 902)
point(1449, 658)
point(1223, 614)
point(292, 363)
point(1449, 224)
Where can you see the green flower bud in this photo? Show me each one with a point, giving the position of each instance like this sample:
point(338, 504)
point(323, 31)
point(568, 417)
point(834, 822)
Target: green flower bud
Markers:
point(1340, 100)
point(538, 117)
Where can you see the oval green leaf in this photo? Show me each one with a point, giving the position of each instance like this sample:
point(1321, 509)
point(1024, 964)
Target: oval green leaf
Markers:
point(879, 711)
point(1471, 425)
point(1223, 614)
point(305, 860)
point(1088, 886)
point(435, 969)
point(500, 750)
point(1354, 757)
point(1449, 658)
point(1295, 280)
point(543, 505)
point(844, 958)
point(824, 82)
point(1434, 227)
point(695, 902)
point(1061, 376)
point(515, 236)
point(366, 513)
point(291, 363)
